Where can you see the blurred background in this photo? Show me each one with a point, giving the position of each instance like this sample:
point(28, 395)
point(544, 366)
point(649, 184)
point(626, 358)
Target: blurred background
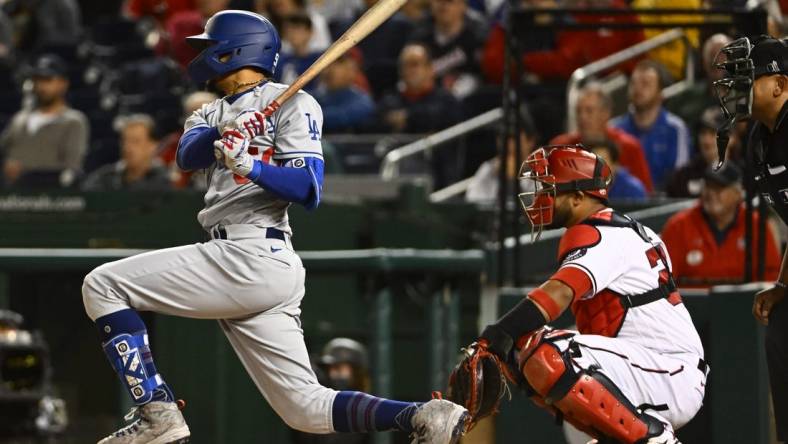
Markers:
point(419, 241)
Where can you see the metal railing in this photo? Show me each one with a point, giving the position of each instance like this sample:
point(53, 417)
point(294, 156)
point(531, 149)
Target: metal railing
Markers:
point(372, 140)
point(450, 191)
point(389, 169)
point(584, 73)
point(661, 211)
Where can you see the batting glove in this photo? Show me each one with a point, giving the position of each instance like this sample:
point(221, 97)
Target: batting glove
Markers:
point(250, 122)
point(233, 150)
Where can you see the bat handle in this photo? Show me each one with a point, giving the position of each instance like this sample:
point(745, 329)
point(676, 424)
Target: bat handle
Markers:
point(271, 108)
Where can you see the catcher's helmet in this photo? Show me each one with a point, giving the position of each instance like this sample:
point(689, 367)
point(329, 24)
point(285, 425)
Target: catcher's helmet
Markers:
point(249, 40)
point(743, 61)
point(556, 169)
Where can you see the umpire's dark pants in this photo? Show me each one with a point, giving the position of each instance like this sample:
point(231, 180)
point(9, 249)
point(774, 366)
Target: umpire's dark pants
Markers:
point(777, 359)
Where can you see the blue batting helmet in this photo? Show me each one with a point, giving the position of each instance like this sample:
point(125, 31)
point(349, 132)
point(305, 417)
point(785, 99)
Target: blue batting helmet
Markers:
point(249, 40)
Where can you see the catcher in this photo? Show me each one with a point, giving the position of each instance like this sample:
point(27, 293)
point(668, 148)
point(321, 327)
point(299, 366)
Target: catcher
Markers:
point(634, 372)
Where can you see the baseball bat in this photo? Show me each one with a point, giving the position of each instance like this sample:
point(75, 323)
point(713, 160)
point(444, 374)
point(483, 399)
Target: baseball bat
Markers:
point(367, 23)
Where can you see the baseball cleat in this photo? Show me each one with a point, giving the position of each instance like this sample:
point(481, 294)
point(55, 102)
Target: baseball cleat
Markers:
point(155, 423)
point(667, 437)
point(662, 439)
point(439, 422)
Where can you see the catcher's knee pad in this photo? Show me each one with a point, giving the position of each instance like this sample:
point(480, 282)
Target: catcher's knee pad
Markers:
point(541, 358)
point(587, 399)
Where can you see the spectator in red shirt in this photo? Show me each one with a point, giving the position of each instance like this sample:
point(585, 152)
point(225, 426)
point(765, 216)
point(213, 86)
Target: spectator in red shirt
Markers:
point(161, 10)
point(572, 49)
point(706, 242)
point(169, 146)
point(184, 23)
point(593, 109)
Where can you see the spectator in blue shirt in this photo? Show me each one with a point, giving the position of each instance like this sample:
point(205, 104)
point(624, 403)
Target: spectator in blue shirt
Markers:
point(346, 107)
point(625, 185)
point(297, 31)
point(663, 135)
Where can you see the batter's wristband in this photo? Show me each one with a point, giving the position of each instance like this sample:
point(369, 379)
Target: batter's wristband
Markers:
point(257, 169)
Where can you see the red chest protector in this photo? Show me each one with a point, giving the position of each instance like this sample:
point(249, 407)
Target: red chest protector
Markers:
point(604, 313)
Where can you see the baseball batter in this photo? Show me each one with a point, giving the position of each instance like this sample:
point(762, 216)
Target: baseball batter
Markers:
point(634, 372)
point(248, 276)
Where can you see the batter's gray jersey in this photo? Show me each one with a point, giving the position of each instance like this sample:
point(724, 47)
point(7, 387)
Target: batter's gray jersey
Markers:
point(253, 283)
point(292, 132)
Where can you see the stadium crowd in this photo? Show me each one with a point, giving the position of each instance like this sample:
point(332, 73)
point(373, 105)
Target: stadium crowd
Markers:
point(93, 94)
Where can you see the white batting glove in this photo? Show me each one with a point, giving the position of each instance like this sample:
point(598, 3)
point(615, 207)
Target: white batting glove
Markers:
point(250, 122)
point(233, 150)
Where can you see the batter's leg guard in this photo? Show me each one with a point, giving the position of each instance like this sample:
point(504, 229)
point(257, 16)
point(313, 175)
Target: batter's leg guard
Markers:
point(128, 355)
point(587, 399)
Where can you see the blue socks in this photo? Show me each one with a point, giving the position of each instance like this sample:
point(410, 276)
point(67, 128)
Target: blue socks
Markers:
point(359, 412)
point(124, 339)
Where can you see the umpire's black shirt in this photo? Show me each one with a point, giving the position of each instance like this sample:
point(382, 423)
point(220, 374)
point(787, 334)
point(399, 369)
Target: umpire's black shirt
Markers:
point(770, 151)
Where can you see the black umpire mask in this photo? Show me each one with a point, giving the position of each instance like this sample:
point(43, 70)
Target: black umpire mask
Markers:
point(743, 61)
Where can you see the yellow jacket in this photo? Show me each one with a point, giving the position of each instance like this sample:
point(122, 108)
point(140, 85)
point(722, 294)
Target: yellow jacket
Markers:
point(671, 55)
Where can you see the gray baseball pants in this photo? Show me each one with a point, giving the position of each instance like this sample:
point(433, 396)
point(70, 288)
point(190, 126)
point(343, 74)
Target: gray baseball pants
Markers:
point(253, 286)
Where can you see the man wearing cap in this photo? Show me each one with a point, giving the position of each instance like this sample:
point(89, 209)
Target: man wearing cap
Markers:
point(755, 86)
point(687, 181)
point(44, 145)
point(706, 242)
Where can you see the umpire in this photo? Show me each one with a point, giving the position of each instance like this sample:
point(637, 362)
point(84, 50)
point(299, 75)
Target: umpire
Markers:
point(756, 86)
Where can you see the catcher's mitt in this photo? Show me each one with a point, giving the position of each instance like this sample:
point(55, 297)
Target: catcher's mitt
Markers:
point(478, 382)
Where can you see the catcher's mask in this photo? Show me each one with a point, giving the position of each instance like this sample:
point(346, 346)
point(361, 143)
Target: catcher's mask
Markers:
point(744, 60)
point(556, 169)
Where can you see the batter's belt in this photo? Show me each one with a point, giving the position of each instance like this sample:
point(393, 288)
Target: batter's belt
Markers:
point(244, 231)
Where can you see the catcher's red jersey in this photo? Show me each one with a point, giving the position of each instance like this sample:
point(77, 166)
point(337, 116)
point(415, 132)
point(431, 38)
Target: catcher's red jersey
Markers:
point(631, 293)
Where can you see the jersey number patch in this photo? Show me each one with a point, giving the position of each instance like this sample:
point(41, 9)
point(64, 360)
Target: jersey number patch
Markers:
point(654, 259)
